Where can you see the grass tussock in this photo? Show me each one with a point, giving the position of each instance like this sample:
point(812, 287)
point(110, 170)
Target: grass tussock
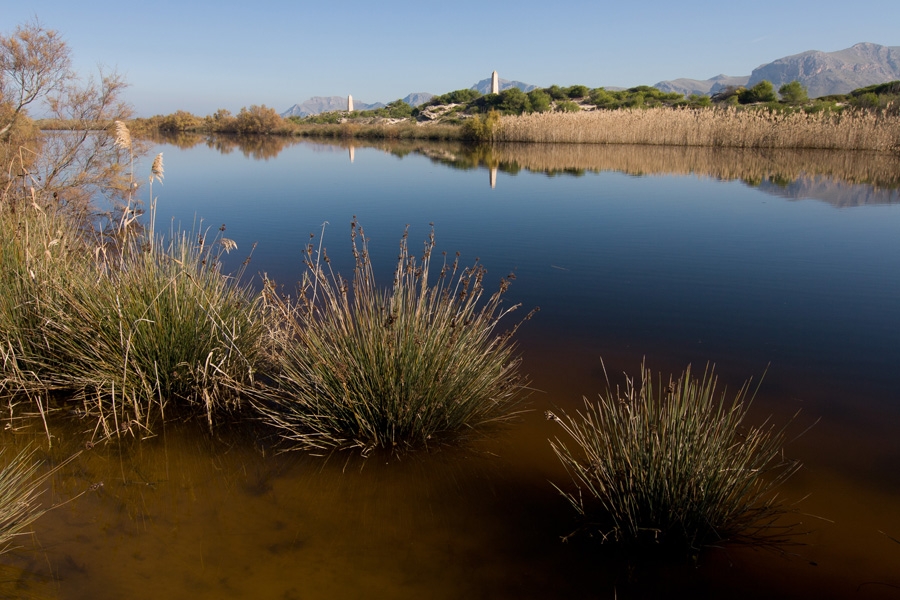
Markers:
point(364, 367)
point(127, 325)
point(674, 465)
point(719, 127)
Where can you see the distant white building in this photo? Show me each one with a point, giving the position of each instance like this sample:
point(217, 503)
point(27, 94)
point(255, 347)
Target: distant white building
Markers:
point(349, 103)
point(495, 83)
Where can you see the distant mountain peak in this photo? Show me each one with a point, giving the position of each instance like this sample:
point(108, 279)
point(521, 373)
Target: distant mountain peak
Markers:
point(822, 73)
point(839, 72)
point(320, 104)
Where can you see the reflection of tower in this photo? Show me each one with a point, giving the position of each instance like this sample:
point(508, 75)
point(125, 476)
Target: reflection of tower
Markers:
point(495, 83)
point(493, 177)
point(349, 103)
point(352, 153)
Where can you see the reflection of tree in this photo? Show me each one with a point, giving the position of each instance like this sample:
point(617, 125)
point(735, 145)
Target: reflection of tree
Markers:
point(257, 147)
point(798, 173)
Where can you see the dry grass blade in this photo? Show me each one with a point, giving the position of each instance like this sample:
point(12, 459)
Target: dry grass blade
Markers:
point(19, 490)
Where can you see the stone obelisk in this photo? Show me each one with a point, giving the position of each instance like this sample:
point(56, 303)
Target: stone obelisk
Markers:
point(495, 83)
point(349, 103)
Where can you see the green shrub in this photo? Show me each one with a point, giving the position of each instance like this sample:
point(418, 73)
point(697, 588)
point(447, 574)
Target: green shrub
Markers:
point(556, 92)
point(480, 128)
point(577, 91)
point(674, 465)
point(540, 101)
point(761, 92)
point(363, 367)
point(793, 93)
point(567, 106)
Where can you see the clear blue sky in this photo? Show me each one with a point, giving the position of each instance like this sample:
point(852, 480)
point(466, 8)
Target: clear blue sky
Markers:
point(201, 56)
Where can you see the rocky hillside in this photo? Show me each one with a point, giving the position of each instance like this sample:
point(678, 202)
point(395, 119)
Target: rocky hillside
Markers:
point(701, 87)
point(822, 73)
point(417, 98)
point(826, 73)
point(484, 86)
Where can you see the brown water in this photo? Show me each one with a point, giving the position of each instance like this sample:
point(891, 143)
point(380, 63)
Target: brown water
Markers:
point(189, 514)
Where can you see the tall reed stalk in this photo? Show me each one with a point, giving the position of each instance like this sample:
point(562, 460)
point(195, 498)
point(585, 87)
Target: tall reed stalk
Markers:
point(402, 367)
point(674, 464)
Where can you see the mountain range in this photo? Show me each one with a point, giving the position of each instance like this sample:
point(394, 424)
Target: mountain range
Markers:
point(822, 73)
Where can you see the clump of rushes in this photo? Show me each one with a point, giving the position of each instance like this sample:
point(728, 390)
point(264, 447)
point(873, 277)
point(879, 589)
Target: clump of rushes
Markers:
point(674, 465)
point(130, 325)
point(398, 368)
point(160, 325)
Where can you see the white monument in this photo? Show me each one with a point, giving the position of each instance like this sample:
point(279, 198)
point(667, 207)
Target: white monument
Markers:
point(495, 83)
point(349, 103)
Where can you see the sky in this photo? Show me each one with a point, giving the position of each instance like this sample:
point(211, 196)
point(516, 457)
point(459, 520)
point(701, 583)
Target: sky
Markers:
point(203, 56)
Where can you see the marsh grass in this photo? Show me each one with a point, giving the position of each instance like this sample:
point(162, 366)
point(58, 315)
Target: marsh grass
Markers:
point(719, 127)
point(366, 129)
point(674, 465)
point(398, 368)
point(160, 325)
point(127, 324)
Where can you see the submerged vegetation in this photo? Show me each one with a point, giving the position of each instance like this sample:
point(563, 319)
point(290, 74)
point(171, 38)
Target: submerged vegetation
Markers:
point(674, 464)
point(20, 486)
point(363, 367)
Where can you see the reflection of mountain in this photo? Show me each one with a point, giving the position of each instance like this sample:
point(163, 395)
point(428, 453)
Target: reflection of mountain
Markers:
point(833, 191)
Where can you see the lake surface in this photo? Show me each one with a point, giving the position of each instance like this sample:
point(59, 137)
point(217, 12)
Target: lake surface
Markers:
point(780, 263)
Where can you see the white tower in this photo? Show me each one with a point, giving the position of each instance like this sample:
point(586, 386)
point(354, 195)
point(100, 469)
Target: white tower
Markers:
point(350, 103)
point(495, 83)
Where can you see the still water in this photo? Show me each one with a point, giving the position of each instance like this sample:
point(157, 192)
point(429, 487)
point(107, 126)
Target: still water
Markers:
point(779, 264)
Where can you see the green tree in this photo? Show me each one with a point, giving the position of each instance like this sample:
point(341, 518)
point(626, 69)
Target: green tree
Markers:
point(556, 92)
point(540, 100)
point(761, 92)
point(567, 106)
point(793, 93)
point(577, 91)
point(514, 101)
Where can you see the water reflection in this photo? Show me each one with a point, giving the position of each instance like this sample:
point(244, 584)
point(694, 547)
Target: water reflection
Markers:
point(257, 147)
point(843, 179)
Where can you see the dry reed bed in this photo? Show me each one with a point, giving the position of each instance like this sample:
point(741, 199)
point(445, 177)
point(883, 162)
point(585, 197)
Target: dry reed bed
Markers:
point(880, 169)
point(728, 127)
